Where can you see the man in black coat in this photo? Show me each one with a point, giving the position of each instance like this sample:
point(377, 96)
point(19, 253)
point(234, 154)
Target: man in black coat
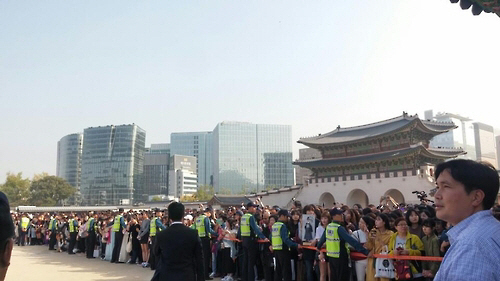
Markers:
point(179, 249)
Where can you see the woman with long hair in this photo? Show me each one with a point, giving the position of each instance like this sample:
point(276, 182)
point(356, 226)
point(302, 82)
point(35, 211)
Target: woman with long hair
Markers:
point(366, 224)
point(324, 269)
point(414, 222)
point(378, 238)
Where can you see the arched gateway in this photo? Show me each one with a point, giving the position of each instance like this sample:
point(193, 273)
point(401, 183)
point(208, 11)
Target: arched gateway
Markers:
point(396, 195)
point(357, 196)
point(326, 200)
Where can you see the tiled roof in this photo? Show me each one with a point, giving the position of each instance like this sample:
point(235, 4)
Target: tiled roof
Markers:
point(351, 134)
point(359, 159)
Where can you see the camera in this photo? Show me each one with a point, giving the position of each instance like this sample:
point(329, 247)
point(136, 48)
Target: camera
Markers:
point(422, 196)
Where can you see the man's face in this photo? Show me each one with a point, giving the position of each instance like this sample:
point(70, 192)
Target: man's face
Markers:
point(453, 204)
point(265, 217)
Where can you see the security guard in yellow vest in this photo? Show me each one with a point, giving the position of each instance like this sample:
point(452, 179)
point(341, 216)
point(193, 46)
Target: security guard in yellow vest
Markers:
point(90, 241)
point(249, 232)
point(337, 250)
point(281, 242)
point(25, 223)
point(73, 232)
point(155, 226)
point(202, 224)
point(118, 227)
point(52, 228)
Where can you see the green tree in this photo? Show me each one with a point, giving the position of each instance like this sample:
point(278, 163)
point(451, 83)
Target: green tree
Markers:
point(205, 192)
point(156, 199)
point(49, 191)
point(17, 189)
point(188, 198)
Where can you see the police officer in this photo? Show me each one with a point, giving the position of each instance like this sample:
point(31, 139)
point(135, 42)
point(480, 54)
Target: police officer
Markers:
point(25, 222)
point(155, 226)
point(52, 232)
point(118, 227)
point(281, 242)
point(73, 232)
point(91, 238)
point(249, 231)
point(337, 250)
point(204, 228)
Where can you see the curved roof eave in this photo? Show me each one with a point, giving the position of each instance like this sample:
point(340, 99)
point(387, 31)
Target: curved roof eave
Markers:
point(327, 139)
point(363, 159)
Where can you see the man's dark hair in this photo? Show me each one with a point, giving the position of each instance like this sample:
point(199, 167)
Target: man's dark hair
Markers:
point(176, 211)
point(473, 175)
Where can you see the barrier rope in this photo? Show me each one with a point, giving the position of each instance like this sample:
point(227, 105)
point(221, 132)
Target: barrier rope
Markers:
point(358, 255)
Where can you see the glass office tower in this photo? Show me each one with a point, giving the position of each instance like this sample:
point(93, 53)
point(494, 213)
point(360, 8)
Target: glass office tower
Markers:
point(112, 164)
point(251, 157)
point(155, 175)
point(199, 145)
point(69, 159)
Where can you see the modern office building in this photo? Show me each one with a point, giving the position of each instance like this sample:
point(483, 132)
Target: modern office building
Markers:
point(251, 157)
point(112, 164)
point(155, 175)
point(485, 143)
point(159, 148)
point(199, 145)
point(462, 137)
point(182, 176)
point(302, 175)
point(69, 159)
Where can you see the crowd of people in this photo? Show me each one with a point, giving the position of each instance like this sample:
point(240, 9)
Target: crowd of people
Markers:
point(129, 237)
point(257, 242)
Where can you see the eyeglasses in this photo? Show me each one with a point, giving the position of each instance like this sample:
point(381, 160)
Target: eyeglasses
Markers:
point(402, 225)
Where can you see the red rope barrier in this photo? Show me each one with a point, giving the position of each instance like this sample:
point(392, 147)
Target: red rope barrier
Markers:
point(358, 255)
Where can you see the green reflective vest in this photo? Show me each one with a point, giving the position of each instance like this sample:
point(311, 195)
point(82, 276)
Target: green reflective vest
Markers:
point(276, 239)
point(52, 224)
point(245, 225)
point(152, 227)
point(91, 220)
point(116, 223)
point(333, 241)
point(72, 225)
point(24, 223)
point(200, 226)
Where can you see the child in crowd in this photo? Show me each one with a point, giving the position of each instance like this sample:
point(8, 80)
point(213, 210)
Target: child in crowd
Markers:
point(431, 246)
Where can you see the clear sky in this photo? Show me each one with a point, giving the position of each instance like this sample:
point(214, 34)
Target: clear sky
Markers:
point(175, 66)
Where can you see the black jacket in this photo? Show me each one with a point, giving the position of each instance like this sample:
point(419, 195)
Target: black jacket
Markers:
point(180, 252)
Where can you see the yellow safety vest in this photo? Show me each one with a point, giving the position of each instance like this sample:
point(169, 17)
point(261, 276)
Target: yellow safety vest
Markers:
point(24, 223)
point(200, 226)
point(116, 223)
point(152, 227)
point(333, 241)
point(71, 225)
point(276, 239)
point(245, 225)
point(88, 224)
point(51, 224)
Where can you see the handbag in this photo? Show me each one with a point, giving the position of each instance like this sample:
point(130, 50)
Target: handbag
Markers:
point(129, 245)
point(384, 267)
point(403, 270)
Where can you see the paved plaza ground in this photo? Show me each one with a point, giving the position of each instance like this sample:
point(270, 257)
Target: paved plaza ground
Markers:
point(38, 263)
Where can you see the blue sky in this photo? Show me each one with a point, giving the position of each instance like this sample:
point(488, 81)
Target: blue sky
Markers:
point(173, 66)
